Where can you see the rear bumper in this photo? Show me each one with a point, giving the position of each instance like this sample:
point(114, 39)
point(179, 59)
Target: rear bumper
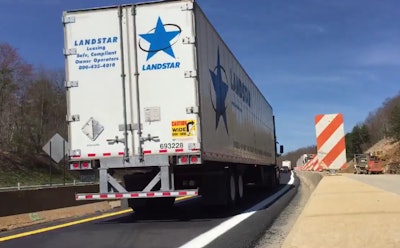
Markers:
point(138, 194)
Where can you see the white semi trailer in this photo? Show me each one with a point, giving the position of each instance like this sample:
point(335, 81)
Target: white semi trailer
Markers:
point(153, 89)
point(286, 166)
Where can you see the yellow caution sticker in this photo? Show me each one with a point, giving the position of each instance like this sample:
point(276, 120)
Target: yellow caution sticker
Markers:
point(183, 128)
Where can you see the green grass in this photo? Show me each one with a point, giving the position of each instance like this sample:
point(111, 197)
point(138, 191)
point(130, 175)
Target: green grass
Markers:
point(31, 171)
point(32, 177)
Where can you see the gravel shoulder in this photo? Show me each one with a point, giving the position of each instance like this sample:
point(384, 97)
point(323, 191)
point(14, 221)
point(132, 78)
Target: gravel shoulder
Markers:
point(275, 236)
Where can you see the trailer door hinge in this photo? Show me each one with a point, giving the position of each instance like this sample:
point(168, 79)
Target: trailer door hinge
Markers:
point(71, 84)
point(192, 110)
point(71, 51)
point(128, 127)
point(68, 19)
point(190, 74)
point(72, 118)
point(187, 6)
point(189, 40)
point(135, 126)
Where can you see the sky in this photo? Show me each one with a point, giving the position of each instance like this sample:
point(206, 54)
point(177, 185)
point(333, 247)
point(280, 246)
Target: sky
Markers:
point(307, 57)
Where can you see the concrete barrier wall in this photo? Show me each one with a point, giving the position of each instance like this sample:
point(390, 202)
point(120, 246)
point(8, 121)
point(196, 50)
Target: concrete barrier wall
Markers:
point(27, 201)
point(310, 179)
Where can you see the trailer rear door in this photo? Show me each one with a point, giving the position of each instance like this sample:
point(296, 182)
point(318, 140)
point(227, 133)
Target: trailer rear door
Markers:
point(94, 83)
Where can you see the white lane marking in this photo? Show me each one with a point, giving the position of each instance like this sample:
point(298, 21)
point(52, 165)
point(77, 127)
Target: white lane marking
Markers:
point(207, 237)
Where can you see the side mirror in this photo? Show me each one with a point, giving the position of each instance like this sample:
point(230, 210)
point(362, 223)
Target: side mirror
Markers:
point(280, 149)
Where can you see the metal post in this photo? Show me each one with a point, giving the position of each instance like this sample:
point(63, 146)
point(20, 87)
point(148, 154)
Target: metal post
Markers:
point(50, 163)
point(65, 160)
point(123, 76)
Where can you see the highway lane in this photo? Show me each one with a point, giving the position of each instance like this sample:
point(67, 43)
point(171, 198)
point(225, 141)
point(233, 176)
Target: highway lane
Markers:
point(388, 182)
point(186, 221)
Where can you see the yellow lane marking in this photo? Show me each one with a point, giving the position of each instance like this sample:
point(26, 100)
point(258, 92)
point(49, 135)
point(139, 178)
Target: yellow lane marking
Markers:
point(183, 198)
point(46, 229)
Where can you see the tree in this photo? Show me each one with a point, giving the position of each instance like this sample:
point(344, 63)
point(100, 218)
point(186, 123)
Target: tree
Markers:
point(43, 111)
point(32, 105)
point(378, 120)
point(357, 140)
point(394, 123)
point(15, 74)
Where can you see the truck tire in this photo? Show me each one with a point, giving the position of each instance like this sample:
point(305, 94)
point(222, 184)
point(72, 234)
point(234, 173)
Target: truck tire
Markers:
point(239, 188)
point(277, 177)
point(142, 205)
point(136, 182)
point(160, 203)
point(271, 178)
point(137, 205)
point(230, 188)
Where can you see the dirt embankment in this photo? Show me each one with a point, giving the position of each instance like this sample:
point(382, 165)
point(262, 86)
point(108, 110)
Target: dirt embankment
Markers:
point(389, 153)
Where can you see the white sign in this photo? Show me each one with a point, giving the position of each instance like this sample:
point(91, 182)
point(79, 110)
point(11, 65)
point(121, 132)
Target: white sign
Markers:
point(56, 147)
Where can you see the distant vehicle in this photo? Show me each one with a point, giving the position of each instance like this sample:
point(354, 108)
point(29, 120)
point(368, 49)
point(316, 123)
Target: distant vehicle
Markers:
point(303, 159)
point(286, 166)
point(153, 91)
point(367, 164)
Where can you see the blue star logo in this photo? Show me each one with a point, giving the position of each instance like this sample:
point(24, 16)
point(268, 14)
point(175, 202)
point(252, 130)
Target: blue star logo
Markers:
point(221, 91)
point(160, 39)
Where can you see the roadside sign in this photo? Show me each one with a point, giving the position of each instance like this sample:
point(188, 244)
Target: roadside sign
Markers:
point(56, 147)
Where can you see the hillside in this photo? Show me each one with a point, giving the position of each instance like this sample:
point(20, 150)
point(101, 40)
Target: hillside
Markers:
point(31, 170)
point(389, 153)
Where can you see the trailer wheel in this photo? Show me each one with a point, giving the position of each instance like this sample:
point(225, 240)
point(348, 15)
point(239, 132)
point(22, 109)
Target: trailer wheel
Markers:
point(160, 203)
point(136, 182)
point(151, 204)
point(239, 188)
point(278, 177)
point(231, 188)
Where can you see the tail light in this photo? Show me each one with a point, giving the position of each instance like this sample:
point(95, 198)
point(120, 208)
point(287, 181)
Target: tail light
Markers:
point(80, 165)
point(194, 159)
point(183, 160)
point(74, 166)
point(85, 165)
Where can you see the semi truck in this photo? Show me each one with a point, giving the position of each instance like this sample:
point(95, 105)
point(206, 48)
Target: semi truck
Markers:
point(158, 107)
point(286, 166)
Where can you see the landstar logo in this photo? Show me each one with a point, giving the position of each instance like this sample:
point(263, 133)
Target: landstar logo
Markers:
point(218, 75)
point(160, 39)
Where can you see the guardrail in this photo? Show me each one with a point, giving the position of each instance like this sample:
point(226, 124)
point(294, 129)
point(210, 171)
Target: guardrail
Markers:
point(43, 186)
point(45, 197)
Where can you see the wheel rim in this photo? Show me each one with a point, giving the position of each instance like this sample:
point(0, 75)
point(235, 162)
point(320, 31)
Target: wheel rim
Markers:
point(232, 188)
point(278, 177)
point(240, 186)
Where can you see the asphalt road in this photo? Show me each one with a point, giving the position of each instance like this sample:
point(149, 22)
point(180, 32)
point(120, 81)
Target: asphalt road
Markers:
point(388, 182)
point(188, 224)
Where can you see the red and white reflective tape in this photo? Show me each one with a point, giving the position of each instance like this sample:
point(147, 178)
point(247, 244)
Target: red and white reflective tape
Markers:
point(178, 150)
point(118, 154)
point(152, 194)
point(331, 145)
point(101, 154)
